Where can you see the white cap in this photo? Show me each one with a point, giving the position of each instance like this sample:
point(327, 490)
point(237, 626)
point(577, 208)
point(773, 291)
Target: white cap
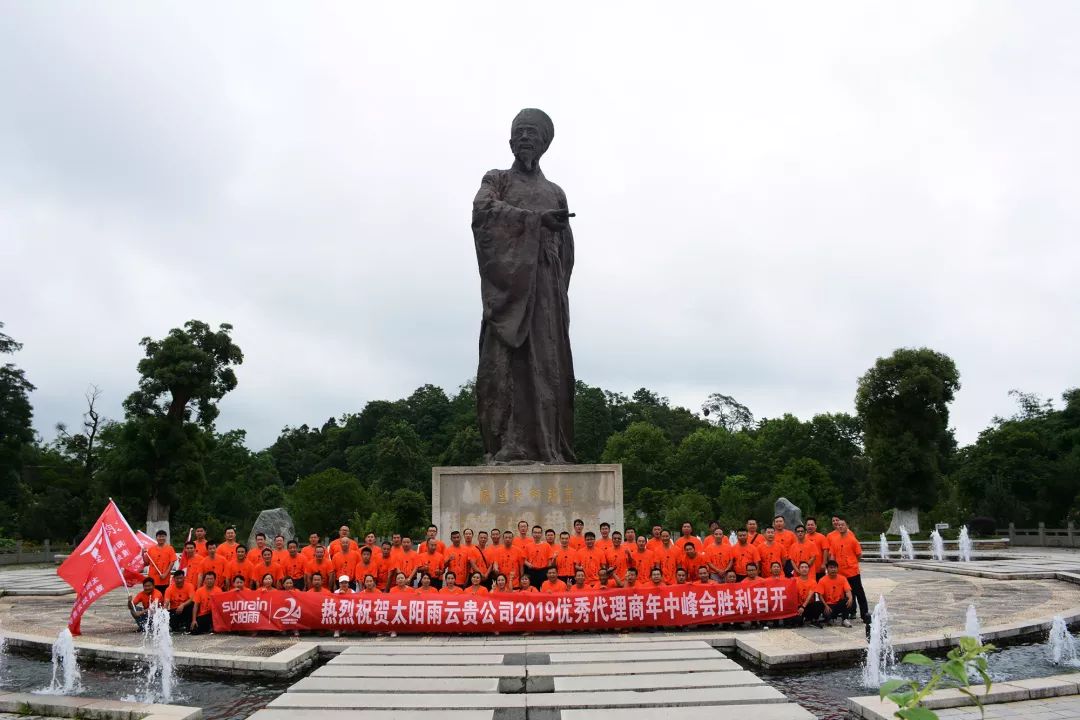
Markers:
point(343, 578)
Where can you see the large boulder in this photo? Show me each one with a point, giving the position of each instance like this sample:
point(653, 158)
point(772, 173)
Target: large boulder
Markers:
point(789, 511)
point(274, 522)
point(907, 519)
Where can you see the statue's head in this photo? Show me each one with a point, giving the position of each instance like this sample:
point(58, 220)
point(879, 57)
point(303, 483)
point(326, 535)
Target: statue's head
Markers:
point(530, 134)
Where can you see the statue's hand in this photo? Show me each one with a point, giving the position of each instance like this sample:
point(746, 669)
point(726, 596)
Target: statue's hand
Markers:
point(555, 220)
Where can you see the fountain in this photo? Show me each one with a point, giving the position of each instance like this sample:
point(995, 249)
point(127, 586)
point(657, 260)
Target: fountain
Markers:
point(161, 668)
point(733, 539)
point(907, 550)
point(1062, 645)
point(883, 547)
point(971, 624)
point(937, 545)
point(965, 545)
point(880, 658)
point(65, 666)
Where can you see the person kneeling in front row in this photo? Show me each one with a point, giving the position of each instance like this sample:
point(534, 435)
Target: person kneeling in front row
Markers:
point(836, 600)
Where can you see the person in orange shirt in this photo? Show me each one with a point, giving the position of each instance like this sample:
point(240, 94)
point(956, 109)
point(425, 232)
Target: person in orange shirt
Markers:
point(845, 549)
point(368, 586)
point(189, 561)
point(654, 542)
point(344, 587)
point(425, 587)
point(335, 546)
point(433, 534)
point(266, 583)
point(686, 534)
point(836, 598)
point(200, 542)
point(579, 585)
point(565, 558)
point(212, 563)
point(656, 578)
point(227, 549)
point(499, 585)
point(384, 566)
point(604, 541)
point(718, 558)
point(344, 560)
point(401, 585)
point(752, 576)
point(703, 579)
point(642, 559)
point(202, 620)
point(553, 584)
point(473, 553)
point(605, 581)
point(806, 589)
point(802, 550)
point(753, 537)
point(496, 537)
point(407, 560)
point(692, 560)
point(432, 562)
point(630, 537)
point(177, 598)
point(450, 586)
point(141, 605)
point(239, 564)
point(159, 561)
point(776, 570)
point(821, 543)
point(507, 560)
point(267, 566)
point(254, 556)
point(618, 556)
point(317, 585)
point(369, 541)
point(366, 565)
point(667, 557)
point(476, 583)
point(577, 540)
point(526, 585)
point(484, 547)
point(280, 550)
point(295, 566)
point(537, 557)
point(591, 558)
point(309, 550)
point(742, 554)
point(551, 539)
point(522, 541)
point(711, 536)
point(631, 578)
point(783, 536)
point(771, 551)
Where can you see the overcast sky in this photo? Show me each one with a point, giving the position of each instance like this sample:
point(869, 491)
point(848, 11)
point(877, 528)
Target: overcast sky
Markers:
point(768, 196)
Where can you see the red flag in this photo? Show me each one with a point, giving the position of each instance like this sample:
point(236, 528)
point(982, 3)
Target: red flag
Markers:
point(110, 555)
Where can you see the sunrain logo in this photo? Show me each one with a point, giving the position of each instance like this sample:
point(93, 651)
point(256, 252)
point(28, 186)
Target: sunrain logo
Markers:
point(247, 612)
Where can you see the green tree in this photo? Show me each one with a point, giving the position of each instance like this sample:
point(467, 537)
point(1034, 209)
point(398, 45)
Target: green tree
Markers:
point(326, 500)
point(158, 451)
point(735, 501)
point(644, 451)
point(592, 423)
point(707, 456)
point(727, 412)
point(16, 425)
point(806, 482)
point(903, 403)
point(687, 506)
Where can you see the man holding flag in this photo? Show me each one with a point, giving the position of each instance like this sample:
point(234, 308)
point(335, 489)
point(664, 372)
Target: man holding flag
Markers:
point(110, 557)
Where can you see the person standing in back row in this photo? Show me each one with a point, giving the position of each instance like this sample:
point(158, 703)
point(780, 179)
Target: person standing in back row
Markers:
point(845, 549)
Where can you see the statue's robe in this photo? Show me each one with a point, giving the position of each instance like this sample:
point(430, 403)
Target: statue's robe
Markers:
point(525, 378)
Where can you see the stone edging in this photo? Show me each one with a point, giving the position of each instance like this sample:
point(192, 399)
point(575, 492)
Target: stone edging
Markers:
point(92, 709)
point(872, 707)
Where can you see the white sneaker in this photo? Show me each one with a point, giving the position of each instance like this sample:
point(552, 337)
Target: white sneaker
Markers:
point(846, 623)
point(337, 633)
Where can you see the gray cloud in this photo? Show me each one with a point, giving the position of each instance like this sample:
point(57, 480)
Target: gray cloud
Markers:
point(768, 198)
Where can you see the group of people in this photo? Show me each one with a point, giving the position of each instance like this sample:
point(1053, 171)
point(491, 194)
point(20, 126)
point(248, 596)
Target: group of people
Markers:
point(532, 559)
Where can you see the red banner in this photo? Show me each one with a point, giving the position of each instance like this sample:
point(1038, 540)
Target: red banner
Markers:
point(670, 606)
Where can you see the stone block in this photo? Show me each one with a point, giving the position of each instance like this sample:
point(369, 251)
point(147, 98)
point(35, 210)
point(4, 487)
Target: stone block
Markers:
point(659, 698)
point(395, 684)
point(653, 681)
point(1045, 687)
point(488, 496)
point(273, 522)
point(779, 711)
point(270, 714)
point(632, 655)
point(395, 701)
point(634, 668)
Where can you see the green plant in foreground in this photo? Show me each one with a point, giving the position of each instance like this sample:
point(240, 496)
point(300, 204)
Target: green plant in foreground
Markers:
point(954, 672)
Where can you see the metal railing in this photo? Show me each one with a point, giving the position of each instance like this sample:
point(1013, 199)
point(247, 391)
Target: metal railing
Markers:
point(1043, 536)
point(24, 553)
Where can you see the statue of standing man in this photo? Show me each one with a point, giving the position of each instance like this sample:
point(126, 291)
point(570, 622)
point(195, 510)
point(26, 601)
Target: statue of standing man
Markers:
point(525, 251)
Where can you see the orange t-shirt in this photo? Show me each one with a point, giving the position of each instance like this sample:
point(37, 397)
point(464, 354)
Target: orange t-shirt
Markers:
point(176, 596)
point(146, 599)
point(433, 563)
point(308, 552)
point(200, 548)
point(575, 590)
point(711, 540)
point(202, 600)
point(591, 560)
point(227, 551)
point(654, 544)
point(752, 581)
point(458, 559)
point(509, 562)
point(718, 555)
point(681, 543)
point(234, 568)
point(847, 551)
point(833, 591)
point(786, 538)
point(691, 565)
point(383, 566)
point(323, 589)
point(280, 556)
point(451, 590)
point(294, 567)
point(254, 556)
point(807, 551)
point(538, 554)
point(668, 558)
point(529, 589)
point(609, 584)
point(159, 568)
point(345, 564)
point(425, 590)
point(577, 542)
point(374, 569)
point(822, 544)
point(619, 560)
point(643, 562)
point(603, 543)
point(402, 590)
point(335, 546)
point(553, 586)
point(257, 572)
point(522, 543)
point(770, 554)
point(743, 554)
point(565, 560)
point(476, 590)
point(215, 565)
point(755, 539)
point(804, 588)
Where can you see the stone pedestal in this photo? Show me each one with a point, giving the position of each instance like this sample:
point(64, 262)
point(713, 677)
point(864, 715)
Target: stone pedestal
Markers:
point(485, 497)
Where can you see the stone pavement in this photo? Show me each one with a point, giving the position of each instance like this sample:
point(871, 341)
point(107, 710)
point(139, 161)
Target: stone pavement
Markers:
point(33, 580)
point(1058, 708)
point(538, 677)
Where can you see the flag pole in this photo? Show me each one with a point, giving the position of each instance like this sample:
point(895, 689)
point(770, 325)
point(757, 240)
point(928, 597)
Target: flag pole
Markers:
point(112, 554)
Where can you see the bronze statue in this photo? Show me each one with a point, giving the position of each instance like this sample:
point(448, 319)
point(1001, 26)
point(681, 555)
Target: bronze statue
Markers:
point(525, 251)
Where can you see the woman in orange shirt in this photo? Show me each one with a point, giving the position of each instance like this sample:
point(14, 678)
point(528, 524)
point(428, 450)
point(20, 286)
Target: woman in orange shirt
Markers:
point(526, 584)
point(450, 586)
point(401, 585)
point(266, 584)
point(425, 585)
point(370, 586)
point(500, 584)
point(475, 586)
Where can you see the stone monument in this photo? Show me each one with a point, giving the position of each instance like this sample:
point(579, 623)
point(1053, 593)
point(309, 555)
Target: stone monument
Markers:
point(525, 375)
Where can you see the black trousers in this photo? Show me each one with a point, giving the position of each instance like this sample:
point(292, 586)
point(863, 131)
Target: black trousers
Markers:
point(203, 624)
point(855, 581)
point(180, 620)
point(817, 608)
point(299, 583)
point(537, 576)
